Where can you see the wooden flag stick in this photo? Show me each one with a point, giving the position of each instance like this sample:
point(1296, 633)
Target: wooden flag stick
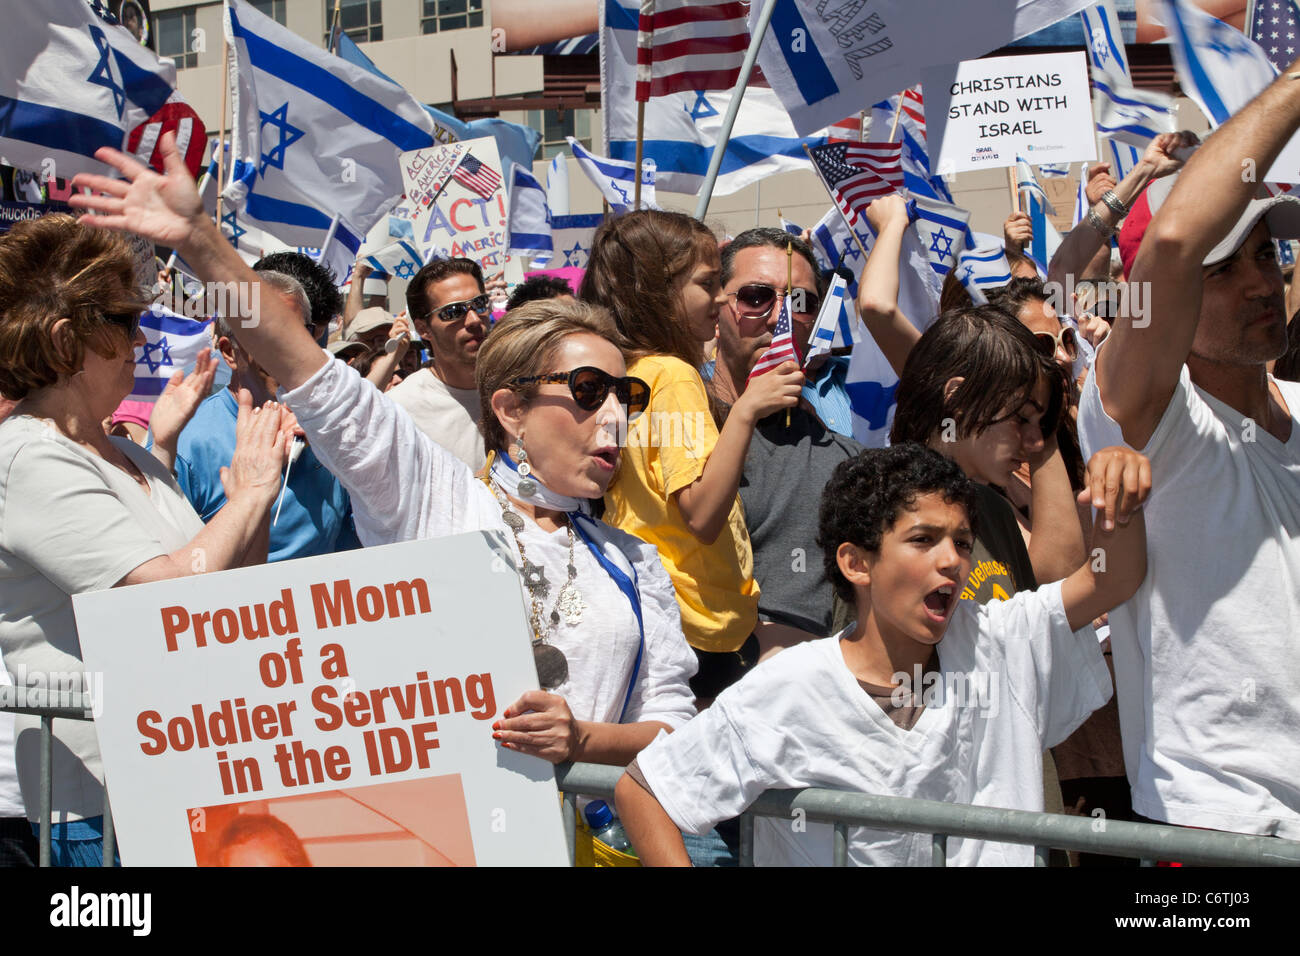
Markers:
point(1015, 193)
point(640, 146)
point(862, 126)
point(789, 288)
point(898, 111)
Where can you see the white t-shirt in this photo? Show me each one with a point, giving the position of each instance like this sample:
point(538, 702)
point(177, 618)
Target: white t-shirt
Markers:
point(1016, 681)
point(70, 522)
point(11, 797)
point(1207, 662)
point(447, 415)
point(405, 487)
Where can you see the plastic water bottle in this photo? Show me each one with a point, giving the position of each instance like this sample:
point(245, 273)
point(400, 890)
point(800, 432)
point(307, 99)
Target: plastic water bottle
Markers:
point(606, 829)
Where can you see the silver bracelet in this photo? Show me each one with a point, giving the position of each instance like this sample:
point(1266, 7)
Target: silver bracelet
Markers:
point(1095, 221)
point(1113, 203)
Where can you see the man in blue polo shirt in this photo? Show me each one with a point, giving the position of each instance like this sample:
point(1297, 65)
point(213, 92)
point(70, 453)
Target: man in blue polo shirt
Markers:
point(315, 516)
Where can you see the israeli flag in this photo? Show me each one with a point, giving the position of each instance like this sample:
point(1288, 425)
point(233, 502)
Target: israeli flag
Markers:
point(529, 219)
point(1026, 182)
point(172, 344)
point(833, 328)
point(871, 385)
point(983, 267)
point(313, 133)
point(834, 245)
point(1132, 116)
point(793, 228)
point(399, 259)
point(73, 82)
point(557, 185)
point(616, 179)
point(942, 229)
point(1218, 66)
point(1046, 239)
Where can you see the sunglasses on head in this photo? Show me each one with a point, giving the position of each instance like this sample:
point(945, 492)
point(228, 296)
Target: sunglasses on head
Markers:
point(128, 321)
point(755, 299)
point(1065, 340)
point(591, 386)
point(452, 311)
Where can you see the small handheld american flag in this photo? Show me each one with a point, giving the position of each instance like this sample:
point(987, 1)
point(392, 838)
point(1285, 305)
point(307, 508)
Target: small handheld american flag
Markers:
point(477, 176)
point(782, 348)
point(857, 173)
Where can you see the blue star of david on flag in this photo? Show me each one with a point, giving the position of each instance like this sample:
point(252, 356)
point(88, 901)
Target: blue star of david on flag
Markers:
point(701, 107)
point(967, 272)
point(279, 119)
point(627, 200)
point(572, 257)
point(938, 237)
point(102, 75)
point(1221, 48)
point(404, 271)
point(163, 347)
point(236, 230)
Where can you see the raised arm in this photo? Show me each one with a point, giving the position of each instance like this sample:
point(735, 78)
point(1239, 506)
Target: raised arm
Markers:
point(1138, 369)
point(356, 295)
point(878, 287)
point(166, 208)
point(1086, 239)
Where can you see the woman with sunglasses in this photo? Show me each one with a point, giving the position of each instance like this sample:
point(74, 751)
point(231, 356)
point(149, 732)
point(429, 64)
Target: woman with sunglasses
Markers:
point(555, 397)
point(80, 511)
point(659, 273)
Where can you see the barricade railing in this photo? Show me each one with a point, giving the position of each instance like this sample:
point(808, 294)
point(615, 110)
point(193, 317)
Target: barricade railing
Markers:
point(1147, 842)
point(48, 715)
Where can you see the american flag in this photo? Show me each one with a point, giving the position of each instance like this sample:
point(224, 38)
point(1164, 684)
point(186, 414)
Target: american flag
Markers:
point(1273, 26)
point(479, 177)
point(687, 45)
point(847, 130)
point(782, 348)
point(857, 173)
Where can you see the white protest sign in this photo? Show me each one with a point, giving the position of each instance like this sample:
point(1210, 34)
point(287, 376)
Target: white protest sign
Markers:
point(981, 113)
point(336, 710)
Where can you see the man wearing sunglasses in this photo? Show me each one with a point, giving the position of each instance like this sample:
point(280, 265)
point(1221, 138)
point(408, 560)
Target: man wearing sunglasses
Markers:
point(786, 466)
point(450, 310)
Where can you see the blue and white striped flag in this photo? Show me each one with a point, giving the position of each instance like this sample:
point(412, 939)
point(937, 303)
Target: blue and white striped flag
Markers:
point(983, 267)
point(1054, 170)
point(173, 343)
point(793, 228)
point(834, 245)
point(399, 259)
point(529, 222)
point(616, 179)
point(557, 185)
point(73, 82)
point(1123, 112)
point(1026, 182)
point(834, 328)
point(314, 137)
point(942, 229)
point(1218, 66)
point(1046, 239)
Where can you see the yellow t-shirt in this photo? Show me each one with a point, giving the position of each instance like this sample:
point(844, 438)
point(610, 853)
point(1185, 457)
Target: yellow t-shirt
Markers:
point(665, 452)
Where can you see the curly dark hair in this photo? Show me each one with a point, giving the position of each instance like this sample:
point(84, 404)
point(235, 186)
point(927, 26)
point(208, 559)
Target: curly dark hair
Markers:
point(318, 282)
point(868, 492)
point(538, 288)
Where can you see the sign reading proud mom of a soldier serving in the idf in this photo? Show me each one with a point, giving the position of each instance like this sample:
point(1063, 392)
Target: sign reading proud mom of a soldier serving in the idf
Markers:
point(330, 711)
point(459, 197)
point(986, 112)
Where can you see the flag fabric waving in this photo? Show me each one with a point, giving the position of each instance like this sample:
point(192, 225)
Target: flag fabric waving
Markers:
point(172, 343)
point(73, 82)
point(829, 322)
point(857, 173)
point(530, 217)
point(687, 45)
point(983, 267)
point(1026, 182)
point(1218, 67)
point(942, 229)
point(616, 179)
point(782, 348)
point(918, 177)
point(1275, 26)
point(312, 132)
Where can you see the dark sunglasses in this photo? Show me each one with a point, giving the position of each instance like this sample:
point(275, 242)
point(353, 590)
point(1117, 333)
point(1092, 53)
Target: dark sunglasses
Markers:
point(591, 386)
point(453, 311)
point(128, 321)
point(1047, 344)
point(756, 299)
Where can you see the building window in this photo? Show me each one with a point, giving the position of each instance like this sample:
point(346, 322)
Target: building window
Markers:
point(175, 32)
point(440, 15)
point(271, 8)
point(556, 126)
point(362, 20)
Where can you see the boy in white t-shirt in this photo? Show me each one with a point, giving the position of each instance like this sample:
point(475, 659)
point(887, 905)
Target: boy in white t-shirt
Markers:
point(884, 707)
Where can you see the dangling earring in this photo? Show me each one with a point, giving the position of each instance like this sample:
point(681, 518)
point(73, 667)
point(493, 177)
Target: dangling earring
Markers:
point(527, 486)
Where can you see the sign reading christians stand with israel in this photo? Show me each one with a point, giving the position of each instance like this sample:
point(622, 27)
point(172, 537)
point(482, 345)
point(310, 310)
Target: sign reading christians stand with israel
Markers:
point(985, 112)
point(334, 710)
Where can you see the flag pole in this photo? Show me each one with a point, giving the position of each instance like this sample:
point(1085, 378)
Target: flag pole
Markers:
point(640, 148)
point(862, 127)
point(334, 26)
point(789, 288)
point(1015, 193)
point(329, 237)
point(225, 103)
point(898, 111)
point(733, 108)
point(852, 232)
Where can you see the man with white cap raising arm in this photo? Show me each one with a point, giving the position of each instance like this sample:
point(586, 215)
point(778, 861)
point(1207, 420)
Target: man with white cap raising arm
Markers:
point(1206, 660)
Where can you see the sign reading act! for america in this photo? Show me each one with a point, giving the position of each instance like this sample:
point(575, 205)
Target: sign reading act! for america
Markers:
point(335, 710)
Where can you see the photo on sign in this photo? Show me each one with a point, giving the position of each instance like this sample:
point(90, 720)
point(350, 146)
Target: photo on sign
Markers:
point(408, 823)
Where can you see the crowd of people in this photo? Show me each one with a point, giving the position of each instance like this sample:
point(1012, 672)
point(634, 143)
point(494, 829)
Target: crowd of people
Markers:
point(725, 592)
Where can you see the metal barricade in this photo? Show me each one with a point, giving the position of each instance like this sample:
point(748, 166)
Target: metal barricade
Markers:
point(48, 715)
point(1147, 842)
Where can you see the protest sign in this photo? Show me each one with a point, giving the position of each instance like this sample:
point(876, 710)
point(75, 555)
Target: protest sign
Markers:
point(335, 709)
point(981, 113)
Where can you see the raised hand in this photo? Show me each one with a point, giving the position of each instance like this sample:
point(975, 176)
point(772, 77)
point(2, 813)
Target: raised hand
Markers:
point(1160, 154)
point(1117, 483)
point(1099, 182)
point(178, 403)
